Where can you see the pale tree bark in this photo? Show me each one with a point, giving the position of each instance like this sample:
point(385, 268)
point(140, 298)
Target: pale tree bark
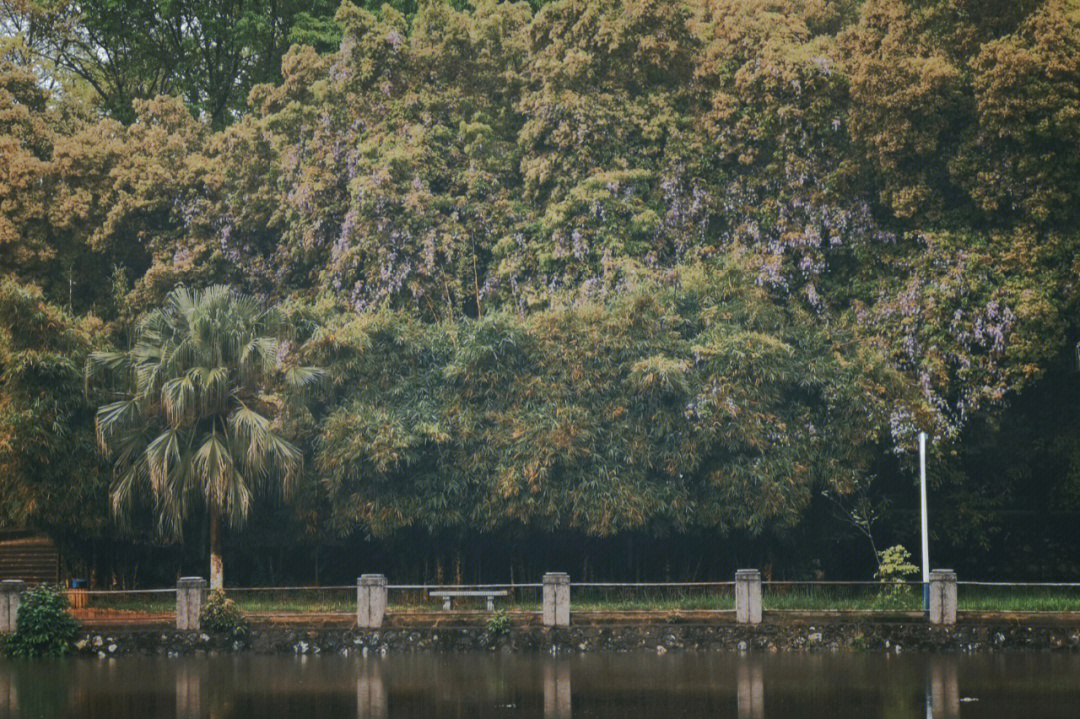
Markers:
point(217, 570)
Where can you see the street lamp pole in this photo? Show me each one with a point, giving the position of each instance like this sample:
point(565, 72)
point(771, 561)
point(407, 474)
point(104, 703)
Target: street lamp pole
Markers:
point(925, 530)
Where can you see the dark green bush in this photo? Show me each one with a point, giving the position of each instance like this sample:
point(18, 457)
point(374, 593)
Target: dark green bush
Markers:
point(44, 626)
point(221, 615)
point(499, 623)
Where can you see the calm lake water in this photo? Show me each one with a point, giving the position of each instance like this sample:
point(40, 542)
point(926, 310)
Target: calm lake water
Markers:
point(673, 686)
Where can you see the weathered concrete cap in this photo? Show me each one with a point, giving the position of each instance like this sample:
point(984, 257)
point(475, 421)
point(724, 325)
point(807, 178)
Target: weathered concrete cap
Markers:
point(556, 578)
point(12, 585)
point(747, 573)
point(372, 580)
point(942, 574)
point(191, 583)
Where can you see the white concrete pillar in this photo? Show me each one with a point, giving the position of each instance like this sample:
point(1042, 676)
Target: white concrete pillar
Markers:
point(748, 596)
point(370, 601)
point(189, 600)
point(10, 595)
point(556, 599)
point(943, 597)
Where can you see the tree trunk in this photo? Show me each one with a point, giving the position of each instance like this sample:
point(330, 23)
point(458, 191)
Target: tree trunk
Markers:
point(216, 567)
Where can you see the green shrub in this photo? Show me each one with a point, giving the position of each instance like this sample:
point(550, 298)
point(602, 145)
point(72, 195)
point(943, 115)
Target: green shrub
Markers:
point(44, 626)
point(895, 568)
point(221, 615)
point(498, 623)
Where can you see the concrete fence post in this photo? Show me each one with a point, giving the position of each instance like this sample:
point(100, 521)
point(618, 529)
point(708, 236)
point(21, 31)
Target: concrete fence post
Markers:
point(370, 601)
point(748, 596)
point(189, 601)
point(943, 597)
point(556, 599)
point(10, 595)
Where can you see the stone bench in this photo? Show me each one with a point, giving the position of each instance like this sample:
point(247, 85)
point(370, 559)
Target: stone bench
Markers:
point(448, 595)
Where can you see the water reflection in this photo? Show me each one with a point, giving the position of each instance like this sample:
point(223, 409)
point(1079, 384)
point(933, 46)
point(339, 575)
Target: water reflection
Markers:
point(370, 691)
point(505, 686)
point(556, 690)
point(943, 692)
point(189, 695)
point(9, 694)
point(751, 689)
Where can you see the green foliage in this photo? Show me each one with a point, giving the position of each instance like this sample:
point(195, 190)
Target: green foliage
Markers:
point(46, 441)
point(210, 53)
point(199, 373)
point(449, 161)
point(675, 405)
point(895, 568)
point(894, 565)
point(44, 626)
point(550, 242)
point(498, 623)
point(221, 615)
point(196, 411)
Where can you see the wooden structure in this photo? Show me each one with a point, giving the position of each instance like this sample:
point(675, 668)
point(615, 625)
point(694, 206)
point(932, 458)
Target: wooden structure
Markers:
point(32, 558)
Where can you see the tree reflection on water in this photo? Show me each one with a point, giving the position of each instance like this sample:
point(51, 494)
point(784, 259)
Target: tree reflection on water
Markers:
point(679, 685)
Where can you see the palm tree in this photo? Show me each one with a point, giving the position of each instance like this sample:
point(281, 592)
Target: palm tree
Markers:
point(194, 417)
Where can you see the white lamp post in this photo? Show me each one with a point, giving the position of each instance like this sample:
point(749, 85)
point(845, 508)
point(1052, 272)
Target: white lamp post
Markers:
point(925, 531)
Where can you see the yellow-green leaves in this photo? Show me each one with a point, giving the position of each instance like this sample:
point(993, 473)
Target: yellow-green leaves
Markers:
point(694, 403)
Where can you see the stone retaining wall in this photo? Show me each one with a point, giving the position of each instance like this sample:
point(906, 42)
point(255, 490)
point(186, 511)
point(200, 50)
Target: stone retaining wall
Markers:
point(821, 637)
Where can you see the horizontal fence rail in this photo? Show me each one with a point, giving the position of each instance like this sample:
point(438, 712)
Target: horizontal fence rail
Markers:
point(123, 606)
point(825, 595)
point(437, 587)
point(294, 601)
point(617, 597)
point(1046, 585)
point(646, 584)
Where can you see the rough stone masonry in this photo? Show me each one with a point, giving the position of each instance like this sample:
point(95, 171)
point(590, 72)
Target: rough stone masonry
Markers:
point(800, 637)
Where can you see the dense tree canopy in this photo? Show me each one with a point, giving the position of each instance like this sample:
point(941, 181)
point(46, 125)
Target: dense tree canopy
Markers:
point(53, 477)
point(209, 52)
point(706, 405)
point(593, 265)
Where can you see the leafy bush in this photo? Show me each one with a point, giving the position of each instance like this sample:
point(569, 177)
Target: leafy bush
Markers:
point(895, 568)
point(221, 615)
point(44, 626)
point(498, 623)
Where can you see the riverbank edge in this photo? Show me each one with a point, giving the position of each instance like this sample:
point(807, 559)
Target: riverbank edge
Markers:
point(795, 637)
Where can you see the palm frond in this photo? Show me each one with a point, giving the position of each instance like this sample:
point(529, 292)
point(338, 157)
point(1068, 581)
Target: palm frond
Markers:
point(106, 363)
point(113, 418)
point(184, 430)
point(162, 457)
point(214, 465)
point(123, 489)
point(248, 430)
point(216, 388)
point(179, 398)
point(304, 379)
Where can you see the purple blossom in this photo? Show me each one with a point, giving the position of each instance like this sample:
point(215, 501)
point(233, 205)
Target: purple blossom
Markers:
point(580, 246)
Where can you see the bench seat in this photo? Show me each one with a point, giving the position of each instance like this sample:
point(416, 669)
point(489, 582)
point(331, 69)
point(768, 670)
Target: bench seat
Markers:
point(448, 595)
